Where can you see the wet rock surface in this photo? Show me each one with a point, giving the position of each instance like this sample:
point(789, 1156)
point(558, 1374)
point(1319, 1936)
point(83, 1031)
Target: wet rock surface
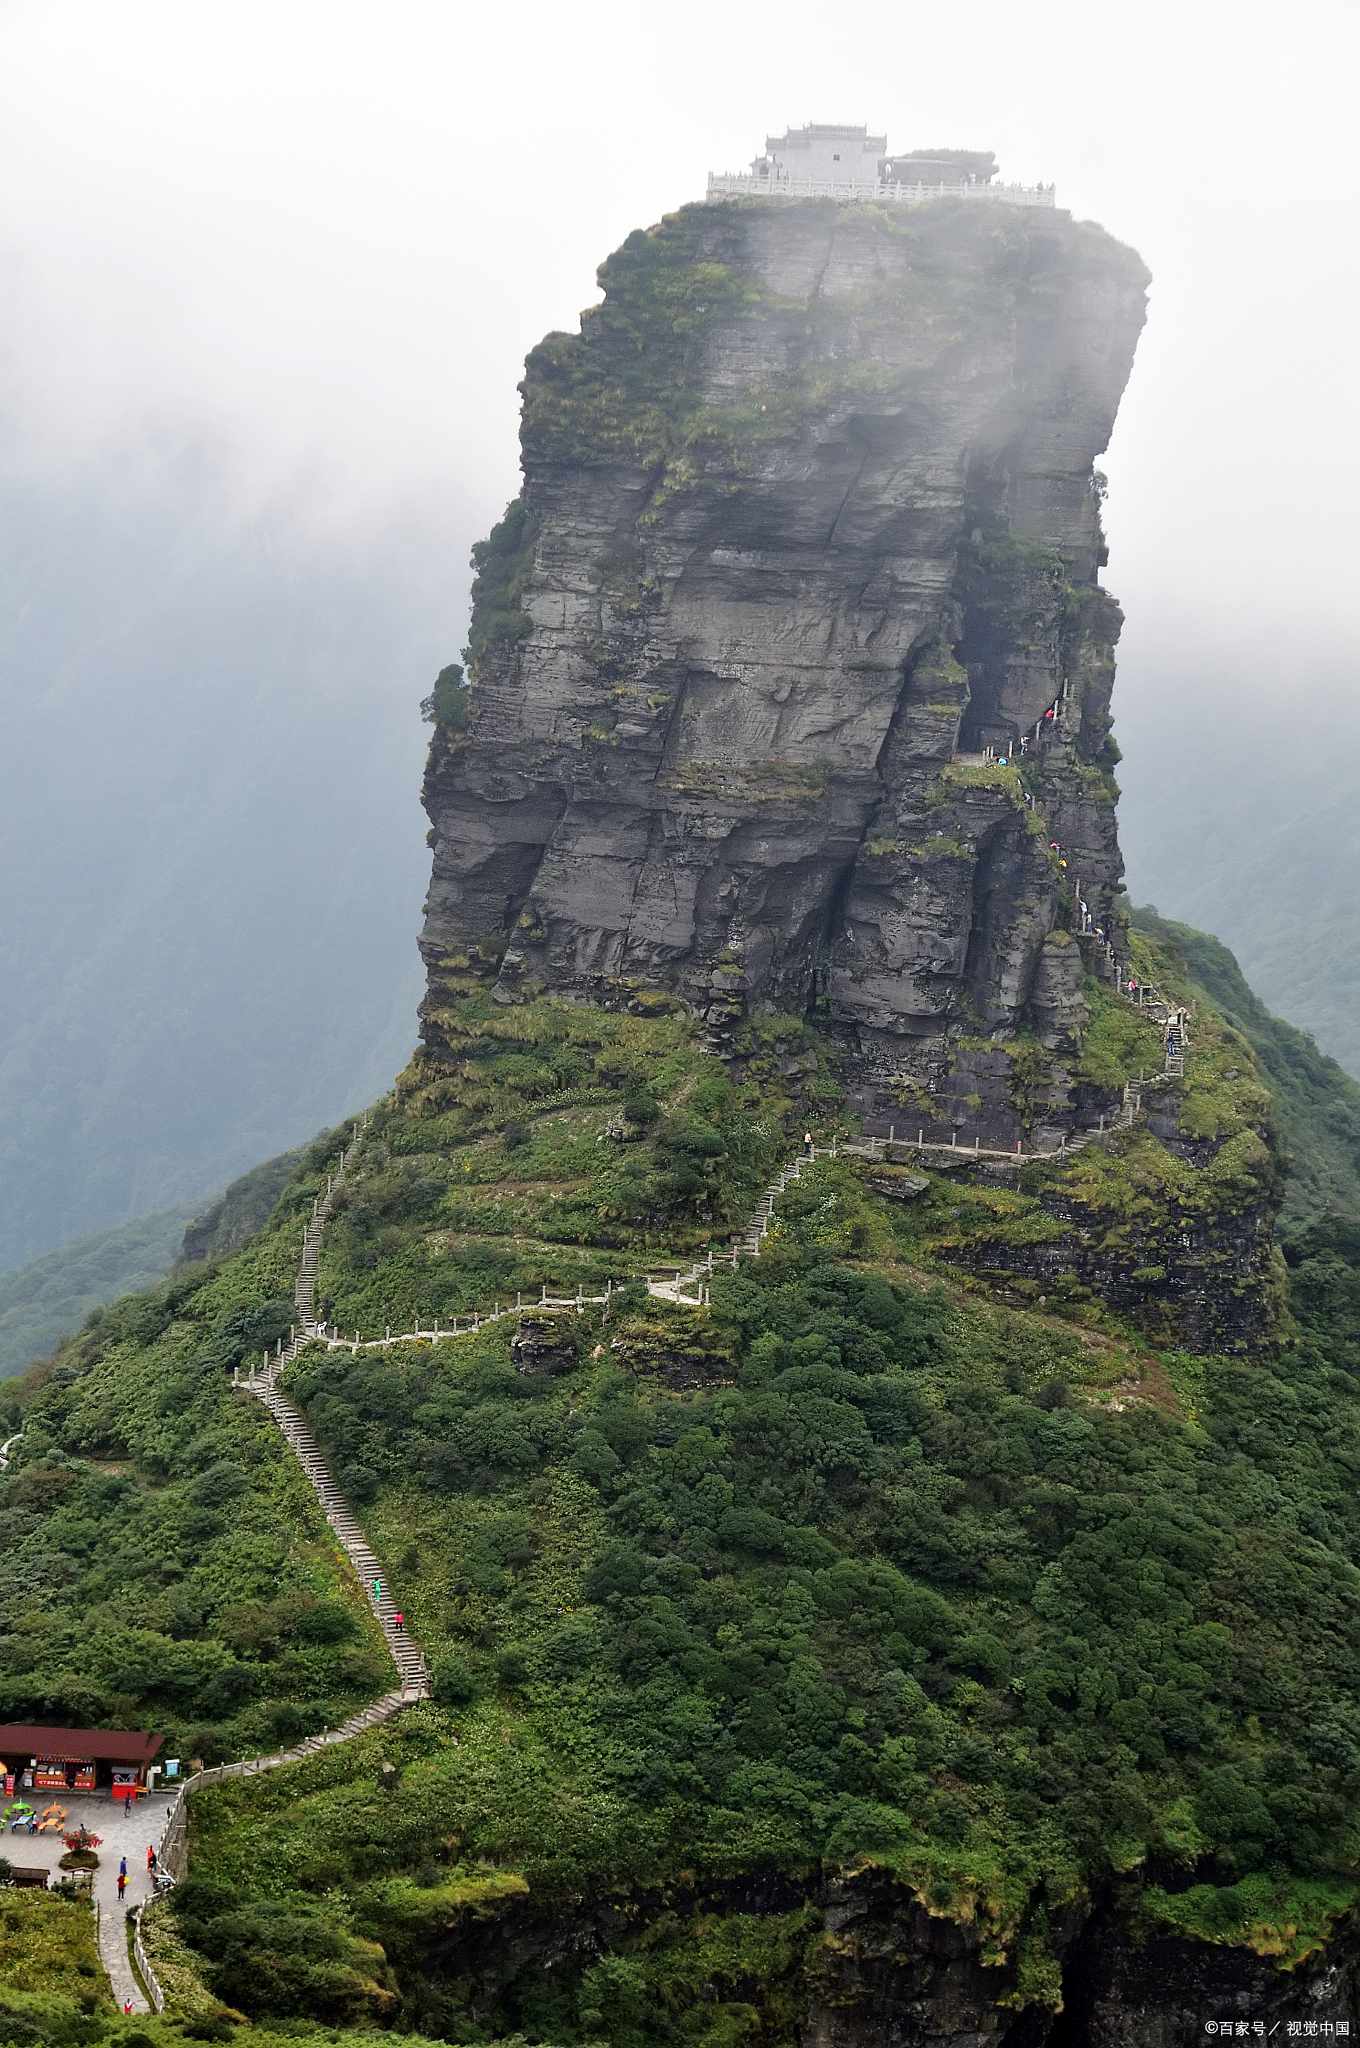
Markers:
point(537, 1349)
point(808, 541)
point(880, 1970)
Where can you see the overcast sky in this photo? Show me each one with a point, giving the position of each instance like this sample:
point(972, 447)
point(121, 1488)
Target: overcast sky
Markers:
point(318, 237)
point(269, 270)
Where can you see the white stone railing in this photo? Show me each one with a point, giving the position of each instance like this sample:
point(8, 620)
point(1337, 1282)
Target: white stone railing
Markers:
point(151, 1982)
point(727, 186)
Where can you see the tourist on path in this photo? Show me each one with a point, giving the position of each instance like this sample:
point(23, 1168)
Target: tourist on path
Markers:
point(122, 1883)
point(401, 1624)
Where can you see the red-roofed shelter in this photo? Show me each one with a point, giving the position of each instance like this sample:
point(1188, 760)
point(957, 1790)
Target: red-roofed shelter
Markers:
point(75, 1759)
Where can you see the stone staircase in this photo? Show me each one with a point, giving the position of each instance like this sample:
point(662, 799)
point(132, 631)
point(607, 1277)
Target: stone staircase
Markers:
point(263, 1384)
point(406, 1654)
point(689, 1288)
point(172, 1851)
point(304, 1294)
point(758, 1223)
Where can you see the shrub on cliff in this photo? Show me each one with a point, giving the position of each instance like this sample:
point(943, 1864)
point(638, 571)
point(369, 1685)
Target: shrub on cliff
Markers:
point(448, 704)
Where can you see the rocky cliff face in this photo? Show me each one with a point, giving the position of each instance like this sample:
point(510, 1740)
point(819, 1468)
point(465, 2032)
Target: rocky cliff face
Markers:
point(875, 1968)
point(808, 542)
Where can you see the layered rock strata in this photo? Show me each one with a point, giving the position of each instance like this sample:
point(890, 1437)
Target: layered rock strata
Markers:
point(809, 541)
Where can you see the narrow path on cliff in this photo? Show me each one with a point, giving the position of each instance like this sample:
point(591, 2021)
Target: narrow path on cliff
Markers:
point(686, 1286)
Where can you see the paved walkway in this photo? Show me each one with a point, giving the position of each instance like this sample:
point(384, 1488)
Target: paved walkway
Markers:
point(118, 1837)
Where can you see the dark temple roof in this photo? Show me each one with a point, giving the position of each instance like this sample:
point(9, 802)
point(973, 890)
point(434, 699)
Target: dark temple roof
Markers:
point(72, 1745)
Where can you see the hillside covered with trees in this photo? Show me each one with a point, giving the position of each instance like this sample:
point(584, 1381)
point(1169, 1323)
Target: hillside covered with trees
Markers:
point(999, 1610)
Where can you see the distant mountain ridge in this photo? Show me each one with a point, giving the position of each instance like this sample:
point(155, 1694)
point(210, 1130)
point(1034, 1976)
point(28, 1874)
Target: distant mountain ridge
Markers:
point(209, 748)
point(1248, 831)
point(49, 1298)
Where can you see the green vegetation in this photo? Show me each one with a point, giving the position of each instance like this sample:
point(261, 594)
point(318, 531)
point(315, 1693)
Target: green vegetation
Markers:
point(48, 1946)
point(558, 1148)
point(42, 1302)
point(1224, 1161)
point(998, 775)
point(449, 703)
point(295, 1958)
point(859, 1570)
point(1200, 1173)
point(63, 2018)
point(941, 846)
point(854, 1571)
point(1316, 1103)
point(160, 1565)
point(502, 563)
point(236, 1216)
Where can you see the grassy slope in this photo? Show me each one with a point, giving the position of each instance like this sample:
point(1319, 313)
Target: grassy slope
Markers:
point(40, 1303)
point(861, 1568)
point(891, 1576)
point(1316, 1103)
point(544, 1156)
point(57, 2016)
point(48, 1947)
point(1129, 1198)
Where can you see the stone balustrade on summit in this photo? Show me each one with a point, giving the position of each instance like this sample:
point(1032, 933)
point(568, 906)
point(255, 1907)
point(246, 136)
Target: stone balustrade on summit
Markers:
point(728, 185)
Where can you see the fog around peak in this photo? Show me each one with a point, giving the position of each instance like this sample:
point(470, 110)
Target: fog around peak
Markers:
point(323, 237)
point(267, 280)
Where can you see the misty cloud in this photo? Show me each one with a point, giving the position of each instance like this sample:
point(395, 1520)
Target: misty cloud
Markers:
point(267, 279)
